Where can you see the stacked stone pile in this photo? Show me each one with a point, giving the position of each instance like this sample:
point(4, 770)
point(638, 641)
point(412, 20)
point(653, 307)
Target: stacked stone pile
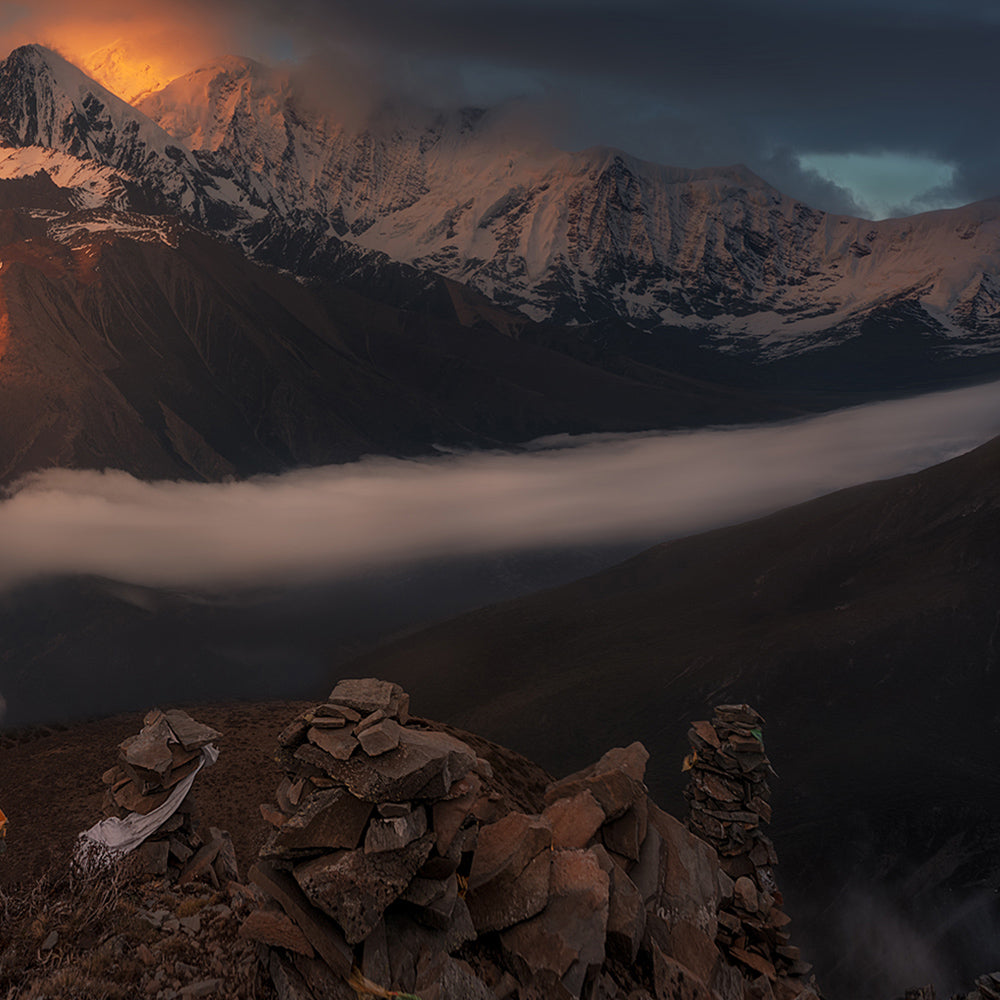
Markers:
point(150, 766)
point(729, 800)
point(397, 864)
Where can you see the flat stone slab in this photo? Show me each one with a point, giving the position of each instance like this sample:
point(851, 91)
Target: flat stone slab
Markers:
point(274, 927)
point(677, 874)
point(509, 880)
point(450, 814)
point(574, 820)
point(380, 738)
point(625, 835)
point(319, 929)
point(327, 819)
point(396, 832)
point(674, 981)
point(149, 749)
point(368, 694)
point(338, 743)
point(190, 734)
point(441, 977)
point(615, 780)
point(424, 765)
point(355, 888)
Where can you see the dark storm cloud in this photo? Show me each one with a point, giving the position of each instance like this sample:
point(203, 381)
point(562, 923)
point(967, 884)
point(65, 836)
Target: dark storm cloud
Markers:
point(717, 81)
point(693, 83)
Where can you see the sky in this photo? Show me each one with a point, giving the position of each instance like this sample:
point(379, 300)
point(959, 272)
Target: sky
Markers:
point(872, 107)
point(328, 523)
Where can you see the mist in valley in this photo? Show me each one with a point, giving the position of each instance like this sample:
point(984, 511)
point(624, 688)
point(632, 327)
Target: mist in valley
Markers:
point(118, 592)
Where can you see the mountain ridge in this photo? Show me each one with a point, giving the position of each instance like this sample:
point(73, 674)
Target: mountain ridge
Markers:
point(713, 255)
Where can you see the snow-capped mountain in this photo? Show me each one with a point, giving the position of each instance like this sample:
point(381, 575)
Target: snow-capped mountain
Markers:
point(47, 103)
point(574, 238)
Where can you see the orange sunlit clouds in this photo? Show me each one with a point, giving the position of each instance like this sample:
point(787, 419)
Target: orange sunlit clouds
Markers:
point(129, 48)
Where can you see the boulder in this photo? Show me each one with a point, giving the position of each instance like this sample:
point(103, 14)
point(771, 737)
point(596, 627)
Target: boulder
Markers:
point(574, 820)
point(509, 879)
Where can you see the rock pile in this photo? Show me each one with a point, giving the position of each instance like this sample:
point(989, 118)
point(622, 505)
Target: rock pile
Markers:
point(397, 863)
point(152, 766)
point(729, 799)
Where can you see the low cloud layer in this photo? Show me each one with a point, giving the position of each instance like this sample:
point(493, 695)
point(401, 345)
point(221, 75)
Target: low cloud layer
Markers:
point(333, 521)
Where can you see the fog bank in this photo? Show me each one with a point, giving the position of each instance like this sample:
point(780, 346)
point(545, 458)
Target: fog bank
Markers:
point(327, 522)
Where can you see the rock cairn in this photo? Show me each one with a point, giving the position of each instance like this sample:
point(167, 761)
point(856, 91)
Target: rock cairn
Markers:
point(150, 766)
point(729, 799)
point(399, 861)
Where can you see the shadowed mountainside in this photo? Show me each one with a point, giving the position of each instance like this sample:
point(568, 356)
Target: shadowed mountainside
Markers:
point(864, 625)
point(136, 343)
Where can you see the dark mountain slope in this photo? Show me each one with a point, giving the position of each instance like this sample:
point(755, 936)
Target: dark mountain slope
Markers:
point(632, 262)
point(134, 342)
point(865, 625)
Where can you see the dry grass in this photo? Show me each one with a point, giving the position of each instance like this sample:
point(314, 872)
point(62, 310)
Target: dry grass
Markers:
point(70, 933)
point(83, 932)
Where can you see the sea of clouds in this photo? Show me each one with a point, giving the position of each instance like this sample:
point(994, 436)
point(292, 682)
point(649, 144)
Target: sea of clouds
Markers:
point(329, 522)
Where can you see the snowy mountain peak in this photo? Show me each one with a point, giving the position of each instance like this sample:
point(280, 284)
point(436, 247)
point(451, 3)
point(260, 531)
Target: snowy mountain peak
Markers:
point(47, 101)
point(200, 108)
point(124, 73)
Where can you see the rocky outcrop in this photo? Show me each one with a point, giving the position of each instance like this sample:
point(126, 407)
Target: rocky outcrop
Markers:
point(400, 861)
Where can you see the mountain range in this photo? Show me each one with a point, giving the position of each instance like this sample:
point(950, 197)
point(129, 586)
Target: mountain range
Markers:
point(622, 264)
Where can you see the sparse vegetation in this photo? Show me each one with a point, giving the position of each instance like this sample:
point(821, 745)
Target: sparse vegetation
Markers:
point(72, 933)
point(89, 932)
